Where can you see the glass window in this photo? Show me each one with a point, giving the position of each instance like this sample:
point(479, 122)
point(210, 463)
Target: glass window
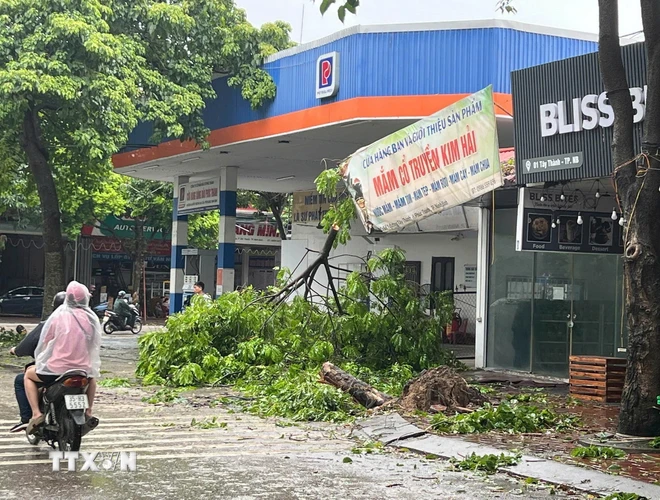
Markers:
point(510, 298)
point(19, 292)
point(37, 292)
point(544, 307)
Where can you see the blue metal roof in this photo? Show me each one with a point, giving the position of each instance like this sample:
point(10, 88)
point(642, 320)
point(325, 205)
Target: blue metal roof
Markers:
point(398, 63)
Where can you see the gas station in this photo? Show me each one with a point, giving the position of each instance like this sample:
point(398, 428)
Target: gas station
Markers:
point(334, 96)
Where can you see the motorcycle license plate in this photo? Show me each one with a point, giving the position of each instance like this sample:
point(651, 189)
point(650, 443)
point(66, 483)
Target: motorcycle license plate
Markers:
point(76, 401)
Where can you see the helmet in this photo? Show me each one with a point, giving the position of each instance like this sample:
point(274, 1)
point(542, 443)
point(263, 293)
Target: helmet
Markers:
point(58, 300)
point(121, 294)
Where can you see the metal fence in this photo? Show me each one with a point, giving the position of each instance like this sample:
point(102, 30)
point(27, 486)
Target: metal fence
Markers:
point(465, 304)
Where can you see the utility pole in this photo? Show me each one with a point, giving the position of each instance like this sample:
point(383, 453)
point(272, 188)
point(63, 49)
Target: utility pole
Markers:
point(302, 21)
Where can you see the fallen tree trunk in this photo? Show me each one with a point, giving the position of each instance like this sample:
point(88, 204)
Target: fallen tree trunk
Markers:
point(441, 386)
point(363, 393)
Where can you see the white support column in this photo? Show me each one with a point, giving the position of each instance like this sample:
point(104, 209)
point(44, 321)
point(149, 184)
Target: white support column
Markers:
point(227, 234)
point(483, 265)
point(245, 260)
point(179, 242)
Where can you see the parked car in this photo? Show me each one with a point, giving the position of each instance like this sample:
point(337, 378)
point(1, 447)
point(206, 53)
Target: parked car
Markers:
point(26, 301)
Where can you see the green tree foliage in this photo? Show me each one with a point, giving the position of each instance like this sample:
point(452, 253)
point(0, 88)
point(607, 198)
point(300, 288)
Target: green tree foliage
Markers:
point(509, 417)
point(595, 452)
point(76, 76)
point(489, 463)
point(203, 230)
point(19, 200)
point(275, 351)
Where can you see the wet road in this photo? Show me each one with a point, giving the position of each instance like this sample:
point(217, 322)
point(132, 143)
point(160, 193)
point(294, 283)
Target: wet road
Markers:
point(239, 456)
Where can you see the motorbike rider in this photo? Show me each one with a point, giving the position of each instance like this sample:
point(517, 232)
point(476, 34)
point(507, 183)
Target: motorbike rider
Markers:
point(70, 340)
point(26, 348)
point(124, 311)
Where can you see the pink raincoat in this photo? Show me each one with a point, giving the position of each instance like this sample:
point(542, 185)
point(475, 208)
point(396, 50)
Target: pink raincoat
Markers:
point(71, 337)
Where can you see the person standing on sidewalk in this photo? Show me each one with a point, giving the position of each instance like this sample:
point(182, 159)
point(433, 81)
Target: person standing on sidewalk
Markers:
point(26, 348)
point(199, 293)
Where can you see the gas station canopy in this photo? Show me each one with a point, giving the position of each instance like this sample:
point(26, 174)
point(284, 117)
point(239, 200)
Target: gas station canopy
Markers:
point(340, 93)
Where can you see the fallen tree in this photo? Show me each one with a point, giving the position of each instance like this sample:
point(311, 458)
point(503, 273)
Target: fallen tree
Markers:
point(441, 386)
point(377, 328)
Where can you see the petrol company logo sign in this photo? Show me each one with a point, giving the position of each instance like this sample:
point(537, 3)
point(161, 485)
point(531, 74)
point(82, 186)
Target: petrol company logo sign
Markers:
point(327, 75)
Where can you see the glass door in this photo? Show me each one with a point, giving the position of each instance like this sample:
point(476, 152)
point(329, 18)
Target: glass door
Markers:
point(596, 314)
point(576, 309)
point(551, 313)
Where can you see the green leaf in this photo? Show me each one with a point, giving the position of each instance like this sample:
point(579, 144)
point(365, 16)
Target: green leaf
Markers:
point(325, 5)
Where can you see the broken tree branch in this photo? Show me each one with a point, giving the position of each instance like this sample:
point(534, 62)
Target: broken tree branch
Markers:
point(363, 393)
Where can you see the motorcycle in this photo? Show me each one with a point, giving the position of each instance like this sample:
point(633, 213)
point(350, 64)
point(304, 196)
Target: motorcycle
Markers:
point(113, 323)
point(64, 403)
point(100, 310)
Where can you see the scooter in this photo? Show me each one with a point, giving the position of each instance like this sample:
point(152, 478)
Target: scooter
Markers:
point(64, 403)
point(113, 323)
point(100, 310)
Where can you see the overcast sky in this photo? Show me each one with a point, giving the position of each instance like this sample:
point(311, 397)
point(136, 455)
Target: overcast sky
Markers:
point(580, 15)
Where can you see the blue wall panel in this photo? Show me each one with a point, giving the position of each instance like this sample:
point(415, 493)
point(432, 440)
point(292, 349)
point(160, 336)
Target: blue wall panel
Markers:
point(395, 64)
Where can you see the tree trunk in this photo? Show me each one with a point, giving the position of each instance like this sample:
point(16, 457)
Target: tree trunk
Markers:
point(37, 156)
point(280, 224)
point(363, 393)
point(642, 248)
point(637, 193)
point(276, 204)
point(139, 253)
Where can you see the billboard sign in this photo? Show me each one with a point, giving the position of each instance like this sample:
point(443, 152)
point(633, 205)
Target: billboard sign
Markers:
point(437, 163)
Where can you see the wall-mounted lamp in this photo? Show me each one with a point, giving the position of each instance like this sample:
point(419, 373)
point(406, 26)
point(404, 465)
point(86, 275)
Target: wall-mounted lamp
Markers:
point(194, 158)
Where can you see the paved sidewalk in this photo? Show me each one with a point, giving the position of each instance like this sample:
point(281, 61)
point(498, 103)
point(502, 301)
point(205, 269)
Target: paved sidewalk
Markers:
point(394, 431)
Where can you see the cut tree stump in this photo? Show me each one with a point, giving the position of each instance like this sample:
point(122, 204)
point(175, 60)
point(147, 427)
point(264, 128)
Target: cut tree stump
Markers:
point(363, 393)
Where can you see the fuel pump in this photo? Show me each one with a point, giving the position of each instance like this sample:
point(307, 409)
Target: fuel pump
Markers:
point(199, 265)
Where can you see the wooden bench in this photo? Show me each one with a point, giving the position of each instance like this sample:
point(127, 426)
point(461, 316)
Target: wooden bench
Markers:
point(597, 378)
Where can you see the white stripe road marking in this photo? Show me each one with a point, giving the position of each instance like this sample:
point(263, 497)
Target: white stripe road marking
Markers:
point(174, 431)
point(288, 447)
point(103, 440)
point(170, 429)
point(162, 457)
point(143, 422)
point(140, 420)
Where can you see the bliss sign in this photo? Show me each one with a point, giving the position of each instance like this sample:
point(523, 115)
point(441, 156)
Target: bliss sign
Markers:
point(586, 113)
point(327, 75)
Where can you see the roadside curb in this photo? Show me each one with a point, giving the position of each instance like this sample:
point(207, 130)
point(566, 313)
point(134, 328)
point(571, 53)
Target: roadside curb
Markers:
point(393, 430)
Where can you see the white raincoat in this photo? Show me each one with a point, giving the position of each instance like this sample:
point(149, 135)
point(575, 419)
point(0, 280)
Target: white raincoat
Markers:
point(71, 337)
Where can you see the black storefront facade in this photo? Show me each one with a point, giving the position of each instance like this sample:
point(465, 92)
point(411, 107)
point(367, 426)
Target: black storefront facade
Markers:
point(555, 282)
